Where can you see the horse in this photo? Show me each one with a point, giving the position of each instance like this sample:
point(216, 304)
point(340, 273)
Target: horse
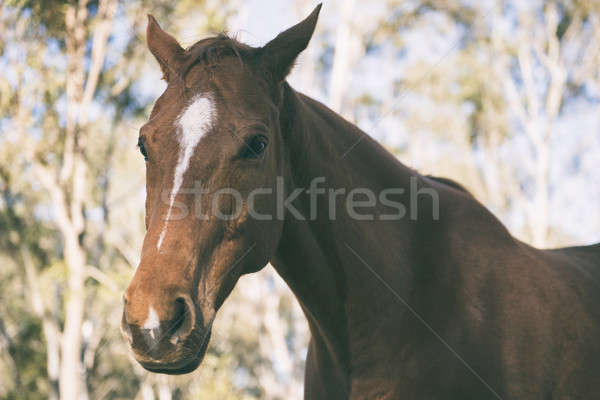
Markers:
point(411, 287)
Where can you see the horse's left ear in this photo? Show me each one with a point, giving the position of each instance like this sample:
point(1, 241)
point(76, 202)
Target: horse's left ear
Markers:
point(280, 53)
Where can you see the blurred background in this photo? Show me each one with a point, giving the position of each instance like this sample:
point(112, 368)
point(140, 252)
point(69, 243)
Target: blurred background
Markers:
point(503, 96)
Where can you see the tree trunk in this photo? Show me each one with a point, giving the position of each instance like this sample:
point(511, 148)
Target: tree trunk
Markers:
point(344, 44)
point(71, 365)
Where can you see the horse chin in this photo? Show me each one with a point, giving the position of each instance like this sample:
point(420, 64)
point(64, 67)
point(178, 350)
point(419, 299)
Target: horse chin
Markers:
point(182, 366)
point(173, 369)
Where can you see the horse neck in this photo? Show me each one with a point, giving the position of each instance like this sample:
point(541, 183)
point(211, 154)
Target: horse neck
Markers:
point(315, 256)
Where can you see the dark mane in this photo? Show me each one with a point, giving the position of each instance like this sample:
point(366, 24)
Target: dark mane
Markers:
point(449, 182)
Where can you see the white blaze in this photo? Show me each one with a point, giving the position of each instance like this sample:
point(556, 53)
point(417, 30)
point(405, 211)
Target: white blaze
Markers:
point(193, 123)
point(152, 321)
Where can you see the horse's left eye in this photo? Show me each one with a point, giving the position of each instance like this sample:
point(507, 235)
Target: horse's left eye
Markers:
point(255, 147)
point(142, 148)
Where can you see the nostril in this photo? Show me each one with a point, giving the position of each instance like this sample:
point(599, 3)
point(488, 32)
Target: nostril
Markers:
point(149, 326)
point(179, 315)
point(183, 320)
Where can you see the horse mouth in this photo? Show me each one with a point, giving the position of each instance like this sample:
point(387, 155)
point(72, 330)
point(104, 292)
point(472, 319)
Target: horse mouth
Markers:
point(183, 366)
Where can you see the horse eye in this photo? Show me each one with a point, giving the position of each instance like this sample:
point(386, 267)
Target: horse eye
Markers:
point(142, 148)
point(255, 147)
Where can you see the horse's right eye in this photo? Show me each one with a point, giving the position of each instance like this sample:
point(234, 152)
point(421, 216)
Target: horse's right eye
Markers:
point(142, 148)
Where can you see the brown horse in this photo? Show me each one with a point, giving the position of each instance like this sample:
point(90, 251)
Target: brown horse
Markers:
point(411, 288)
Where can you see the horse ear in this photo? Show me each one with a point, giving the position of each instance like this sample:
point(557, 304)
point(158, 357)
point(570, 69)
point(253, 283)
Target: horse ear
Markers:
point(280, 53)
point(163, 46)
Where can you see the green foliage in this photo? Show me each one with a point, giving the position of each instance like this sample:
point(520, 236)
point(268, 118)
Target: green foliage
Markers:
point(47, 13)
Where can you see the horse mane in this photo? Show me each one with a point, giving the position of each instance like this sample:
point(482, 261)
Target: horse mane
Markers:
point(449, 182)
point(212, 50)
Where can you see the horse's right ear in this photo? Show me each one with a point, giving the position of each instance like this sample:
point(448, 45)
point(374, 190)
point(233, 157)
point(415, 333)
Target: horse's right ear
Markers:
point(280, 53)
point(163, 46)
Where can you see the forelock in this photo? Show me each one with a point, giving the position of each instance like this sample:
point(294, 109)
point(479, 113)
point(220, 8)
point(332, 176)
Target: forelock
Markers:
point(210, 52)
